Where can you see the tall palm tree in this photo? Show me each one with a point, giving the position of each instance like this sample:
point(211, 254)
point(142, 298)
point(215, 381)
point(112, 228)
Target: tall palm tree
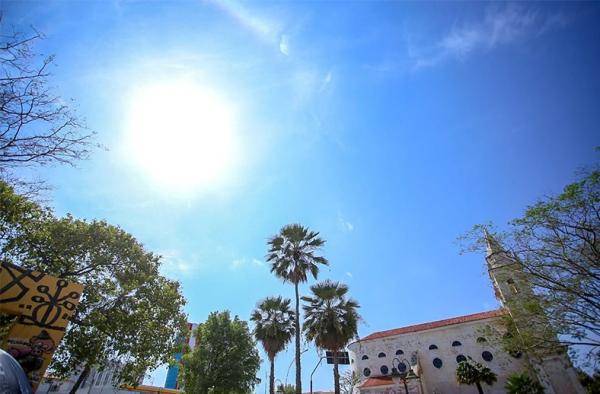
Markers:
point(331, 320)
point(292, 257)
point(274, 328)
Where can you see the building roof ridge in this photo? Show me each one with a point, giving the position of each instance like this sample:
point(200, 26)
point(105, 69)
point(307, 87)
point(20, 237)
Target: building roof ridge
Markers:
point(435, 324)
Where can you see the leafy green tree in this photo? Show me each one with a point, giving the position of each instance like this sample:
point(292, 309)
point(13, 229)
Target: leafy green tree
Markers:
point(292, 254)
point(286, 389)
point(331, 320)
point(128, 314)
point(557, 246)
point(471, 372)
point(226, 360)
point(274, 327)
point(521, 383)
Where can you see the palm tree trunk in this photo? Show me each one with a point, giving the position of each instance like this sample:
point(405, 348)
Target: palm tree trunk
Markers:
point(479, 387)
point(80, 379)
point(336, 373)
point(297, 323)
point(272, 377)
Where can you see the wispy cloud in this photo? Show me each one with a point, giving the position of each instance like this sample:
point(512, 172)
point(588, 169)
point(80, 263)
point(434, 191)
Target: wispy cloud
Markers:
point(244, 262)
point(284, 45)
point(175, 266)
point(344, 224)
point(499, 26)
point(349, 274)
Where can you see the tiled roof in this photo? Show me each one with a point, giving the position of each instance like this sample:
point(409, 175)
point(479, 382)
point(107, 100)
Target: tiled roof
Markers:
point(378, 381)
point(435, 324)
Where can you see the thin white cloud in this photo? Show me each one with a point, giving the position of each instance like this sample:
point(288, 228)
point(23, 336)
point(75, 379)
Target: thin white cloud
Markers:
point(244, 262)
point(344, 224)
point(284, 45)
point(349, 274)
point(175, 266)
point(499, 26)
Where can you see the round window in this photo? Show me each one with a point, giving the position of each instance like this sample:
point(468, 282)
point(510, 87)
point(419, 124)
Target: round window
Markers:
point(481, 340)
point(384, 370)
point(456, 343)
point(402, 367)
point(460, 358)
point(399, 352)
point(365, 357)
point(437, 363)
point(381, 355)
point(487, 356)
point(432, 347)
point(367, 372)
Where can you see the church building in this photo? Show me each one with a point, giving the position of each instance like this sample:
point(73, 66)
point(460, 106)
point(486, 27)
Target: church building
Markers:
point(423, 358)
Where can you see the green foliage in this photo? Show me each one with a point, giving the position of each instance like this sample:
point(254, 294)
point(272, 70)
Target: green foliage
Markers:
point(128, 313)
point(557, 246)
point(286, 389)
point(471, 372)
point(521, 383)
point(226, 360)
point(331, 319)
point(292, 254)
point(274, 328)
point(590, 383)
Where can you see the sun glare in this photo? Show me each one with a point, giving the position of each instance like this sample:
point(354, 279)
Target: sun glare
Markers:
point(180, 134)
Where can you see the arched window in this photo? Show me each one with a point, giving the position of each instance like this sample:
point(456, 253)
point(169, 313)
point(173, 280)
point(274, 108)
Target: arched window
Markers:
point(367, 372)
point(384, 370)
point(481, 340)
point(381, 355)
point(365, 357)
point(399, 352)
point(460, 358)
point(433, 347)
point(456, 343)
point(487, 356)
point(437, 363)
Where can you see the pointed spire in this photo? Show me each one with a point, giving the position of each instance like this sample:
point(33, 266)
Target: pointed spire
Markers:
point(492, 246)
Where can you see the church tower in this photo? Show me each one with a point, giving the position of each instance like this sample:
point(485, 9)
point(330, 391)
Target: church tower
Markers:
point(513, 289)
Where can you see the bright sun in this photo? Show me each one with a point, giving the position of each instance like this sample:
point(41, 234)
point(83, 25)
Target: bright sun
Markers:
point(180, 134)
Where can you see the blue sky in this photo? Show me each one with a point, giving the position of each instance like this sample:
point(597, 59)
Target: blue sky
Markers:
point(391, 128)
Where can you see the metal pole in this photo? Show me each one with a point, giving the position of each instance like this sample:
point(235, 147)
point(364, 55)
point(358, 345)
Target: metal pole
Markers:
point(311, 374)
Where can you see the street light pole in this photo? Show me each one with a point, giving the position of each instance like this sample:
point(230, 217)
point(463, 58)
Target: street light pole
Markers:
point(398, 376)
point(311, 374)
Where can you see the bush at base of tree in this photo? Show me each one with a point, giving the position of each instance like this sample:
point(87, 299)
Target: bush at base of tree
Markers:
point(226, 359)
point(521, 383)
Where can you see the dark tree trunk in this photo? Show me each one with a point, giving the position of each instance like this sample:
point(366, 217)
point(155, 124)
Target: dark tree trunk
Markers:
point(272, 377)
point(297, 324)
point(336, 373)
point(479, 387)
point(80, 379)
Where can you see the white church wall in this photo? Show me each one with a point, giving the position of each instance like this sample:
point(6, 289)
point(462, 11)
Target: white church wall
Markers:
point(443, 379)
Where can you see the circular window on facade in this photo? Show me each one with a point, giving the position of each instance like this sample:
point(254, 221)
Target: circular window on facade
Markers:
point(432, 347)
point(381, 355)
point(365, 357)
point(487, 356)
point(481, 340)
point(367, 372)
point(437, 363)
point(399, 352)
point(384, 370)
point(516, 354)
point(460, 358)
point(456, 343)
point(402, 367)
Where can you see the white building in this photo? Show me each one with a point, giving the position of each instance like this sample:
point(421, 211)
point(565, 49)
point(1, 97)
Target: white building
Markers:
point(433, 350)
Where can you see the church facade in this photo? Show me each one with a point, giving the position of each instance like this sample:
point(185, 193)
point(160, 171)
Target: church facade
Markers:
point(430, 352)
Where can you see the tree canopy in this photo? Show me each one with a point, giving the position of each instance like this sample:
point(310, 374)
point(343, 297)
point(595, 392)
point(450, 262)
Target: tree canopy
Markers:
point(128, 313)
point(226, 361)
point(557, 245)
point(471, 372)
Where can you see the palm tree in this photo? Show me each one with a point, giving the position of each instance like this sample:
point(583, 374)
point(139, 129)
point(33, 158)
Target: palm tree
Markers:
point(274, 328)
point(472, 372)
point(292, 257)
point(331, 320)
point(521, 383)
